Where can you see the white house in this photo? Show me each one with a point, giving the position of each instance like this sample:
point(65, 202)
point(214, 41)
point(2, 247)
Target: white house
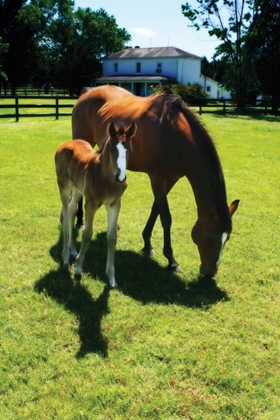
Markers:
point(140, 69)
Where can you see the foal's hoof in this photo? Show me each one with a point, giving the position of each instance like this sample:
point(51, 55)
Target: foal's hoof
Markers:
point(78, 273)
point(65, 265)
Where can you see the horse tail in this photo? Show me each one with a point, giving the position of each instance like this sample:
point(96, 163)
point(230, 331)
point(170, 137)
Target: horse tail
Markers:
point(83, 117)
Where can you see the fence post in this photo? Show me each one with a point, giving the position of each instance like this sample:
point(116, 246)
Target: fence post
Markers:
point(265, 107)
point(16, 108)
point(224, 106)
point(56, 108)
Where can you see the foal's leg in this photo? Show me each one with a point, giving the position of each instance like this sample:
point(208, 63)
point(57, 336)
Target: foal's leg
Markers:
point(112, 215)
point(90, 210)
point(160, 207)
point(72, 208)
point(65, 225)
point(65, 192)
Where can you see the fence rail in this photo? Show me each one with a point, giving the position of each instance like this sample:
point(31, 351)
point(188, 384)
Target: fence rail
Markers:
point(19, 104)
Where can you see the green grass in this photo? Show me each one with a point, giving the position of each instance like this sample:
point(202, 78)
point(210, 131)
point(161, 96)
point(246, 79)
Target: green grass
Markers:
point(164, 345)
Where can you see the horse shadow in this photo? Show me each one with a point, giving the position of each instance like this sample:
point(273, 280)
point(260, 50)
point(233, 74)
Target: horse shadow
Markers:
point(142, 278)
point(138, 276)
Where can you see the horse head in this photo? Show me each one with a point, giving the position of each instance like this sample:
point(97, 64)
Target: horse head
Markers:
point(120, 148)
point(210, 235)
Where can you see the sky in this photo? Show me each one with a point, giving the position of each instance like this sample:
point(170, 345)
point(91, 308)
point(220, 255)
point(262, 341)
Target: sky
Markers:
point(156, 23)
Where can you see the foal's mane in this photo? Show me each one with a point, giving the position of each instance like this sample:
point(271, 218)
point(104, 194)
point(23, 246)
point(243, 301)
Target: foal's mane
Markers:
point(167, 107)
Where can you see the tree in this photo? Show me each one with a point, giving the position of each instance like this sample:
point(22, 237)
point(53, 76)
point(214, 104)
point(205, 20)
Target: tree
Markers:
point(228, 20)
point(263, 42)
point(3, 50)
point(18, 40)
point(78, 46)
point(51, 43)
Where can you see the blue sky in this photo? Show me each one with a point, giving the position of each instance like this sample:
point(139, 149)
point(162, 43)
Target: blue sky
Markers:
point(156, 23)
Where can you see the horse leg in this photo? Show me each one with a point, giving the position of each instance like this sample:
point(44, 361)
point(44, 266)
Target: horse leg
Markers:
point(147, 232)
point(148, 229)
point(161, 207)
point(80, 214)
point(112, 215)
point(90, 210)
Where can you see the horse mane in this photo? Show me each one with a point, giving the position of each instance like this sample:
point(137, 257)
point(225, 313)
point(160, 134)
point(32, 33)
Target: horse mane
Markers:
point(167, 106)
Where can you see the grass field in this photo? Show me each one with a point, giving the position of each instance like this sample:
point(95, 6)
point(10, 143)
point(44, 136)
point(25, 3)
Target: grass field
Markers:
point(164, 345)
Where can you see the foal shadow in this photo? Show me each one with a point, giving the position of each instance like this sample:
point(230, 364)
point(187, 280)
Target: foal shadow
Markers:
point(138, 276)
point(73, 295)
point(89, 311)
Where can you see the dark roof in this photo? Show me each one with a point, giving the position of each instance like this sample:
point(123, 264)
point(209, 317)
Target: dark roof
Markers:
point(151, 52)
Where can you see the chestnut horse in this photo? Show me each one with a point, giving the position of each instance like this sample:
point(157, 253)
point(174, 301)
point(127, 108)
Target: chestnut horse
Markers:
point(101, 178)
point(170, 143)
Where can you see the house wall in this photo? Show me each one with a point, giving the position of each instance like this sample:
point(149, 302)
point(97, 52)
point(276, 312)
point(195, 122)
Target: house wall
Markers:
point(188, 70)
point(210, 86)
point(148, 67)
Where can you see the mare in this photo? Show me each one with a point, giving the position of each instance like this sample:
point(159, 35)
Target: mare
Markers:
point(170, 143)
point(101, 178)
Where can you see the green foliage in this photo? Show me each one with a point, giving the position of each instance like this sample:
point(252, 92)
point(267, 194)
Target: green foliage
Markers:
point(191, 93)
point(164, 345)
point(51, 43)
point(228, 24)
point(263, 47)
point(3, 50)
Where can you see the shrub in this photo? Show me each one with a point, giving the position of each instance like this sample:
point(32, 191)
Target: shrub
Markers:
point(192, 93)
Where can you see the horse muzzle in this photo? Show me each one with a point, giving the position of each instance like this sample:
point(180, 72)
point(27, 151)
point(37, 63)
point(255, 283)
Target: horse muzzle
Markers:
point(207, 273)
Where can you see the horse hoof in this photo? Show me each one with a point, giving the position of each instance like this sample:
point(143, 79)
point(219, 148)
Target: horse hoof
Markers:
point(175, 267)
point(150, 252)
point(79, 225)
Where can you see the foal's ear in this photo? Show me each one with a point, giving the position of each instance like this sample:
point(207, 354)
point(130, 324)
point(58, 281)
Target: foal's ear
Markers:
point(131, 130)
point(233, 207)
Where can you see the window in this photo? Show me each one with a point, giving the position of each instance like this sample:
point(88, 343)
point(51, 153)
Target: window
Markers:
point(116, 67)
point(138, 67)
point(208, 89)
point(159, 68)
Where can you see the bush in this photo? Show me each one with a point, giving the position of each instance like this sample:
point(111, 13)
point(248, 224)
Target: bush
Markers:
point(192, 93)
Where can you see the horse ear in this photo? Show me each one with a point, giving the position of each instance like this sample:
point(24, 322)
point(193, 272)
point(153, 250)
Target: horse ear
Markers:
point(233, 207)
point(130, 131)
point(111, 128)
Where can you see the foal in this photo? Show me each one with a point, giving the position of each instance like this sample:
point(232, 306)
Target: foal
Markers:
point(101, 178)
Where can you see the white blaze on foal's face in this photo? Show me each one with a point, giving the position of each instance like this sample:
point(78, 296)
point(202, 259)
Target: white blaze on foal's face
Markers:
point(223, 240)
point(121, 161)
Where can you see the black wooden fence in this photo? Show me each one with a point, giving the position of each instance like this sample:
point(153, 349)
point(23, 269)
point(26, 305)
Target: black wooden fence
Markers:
point(16, 107)
point(17, 104)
